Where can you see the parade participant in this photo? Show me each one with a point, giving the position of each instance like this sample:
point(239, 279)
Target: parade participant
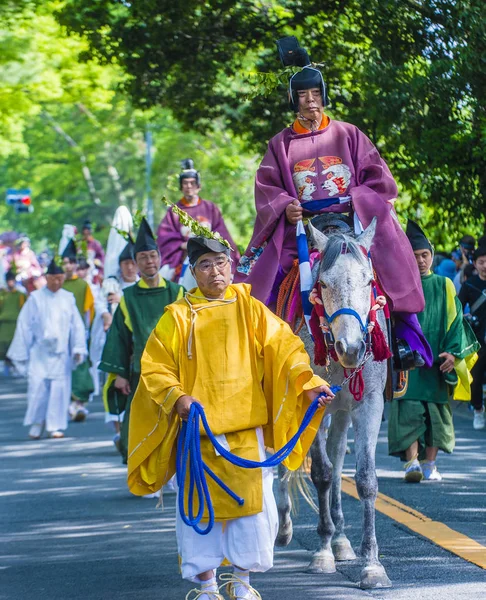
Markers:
point(77, 286)
point(27, 267)
point(140, 308)
point(473, 292)
point(11, 301)
point(82, 384)
point(49, 341)
point(95, 253)
point(111, 294)
point(82, 271)
point(420, 422)
point(223, 348)
point(127, 277)
point(322, 165)
point(463, 256)
point(172, 236)
point(120, 271)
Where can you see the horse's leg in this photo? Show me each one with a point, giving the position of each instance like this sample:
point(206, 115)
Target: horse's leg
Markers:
point(336, 449)
point(366, 423)
point(321, 474)
point(284, 506)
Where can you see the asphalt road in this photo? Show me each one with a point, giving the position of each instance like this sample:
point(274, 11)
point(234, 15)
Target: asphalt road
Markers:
point(70, 530)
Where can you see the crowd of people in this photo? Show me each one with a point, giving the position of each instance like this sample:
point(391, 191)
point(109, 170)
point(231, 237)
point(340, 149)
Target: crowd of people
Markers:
point(159, 322)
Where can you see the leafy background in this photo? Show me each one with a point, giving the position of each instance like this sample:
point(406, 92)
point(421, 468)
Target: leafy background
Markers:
point(81, 81)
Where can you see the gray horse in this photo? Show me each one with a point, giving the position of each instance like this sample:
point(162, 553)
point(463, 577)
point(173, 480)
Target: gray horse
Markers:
point(345, 279)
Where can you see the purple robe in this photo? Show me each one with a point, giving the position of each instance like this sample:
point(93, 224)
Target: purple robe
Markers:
point(350, 165)
point(171, 233)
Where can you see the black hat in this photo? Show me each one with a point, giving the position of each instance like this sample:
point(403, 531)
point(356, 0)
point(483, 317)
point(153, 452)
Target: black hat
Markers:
point(145, 239)
point(417, 237)
point(197, 246)
point(70, 251)
point(54, 268)
point(83, 263)
point(127, 252)
point(188, 172)
point(306, 79)
point(480, 251)
point(9, 275)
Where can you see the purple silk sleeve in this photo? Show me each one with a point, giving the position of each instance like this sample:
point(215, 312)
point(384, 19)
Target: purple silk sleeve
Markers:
point(391, 253)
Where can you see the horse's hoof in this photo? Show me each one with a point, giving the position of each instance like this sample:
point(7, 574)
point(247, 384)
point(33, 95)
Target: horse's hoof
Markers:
point(284, 536)
point(322, 563)
point(374, 576)
point(342, 550)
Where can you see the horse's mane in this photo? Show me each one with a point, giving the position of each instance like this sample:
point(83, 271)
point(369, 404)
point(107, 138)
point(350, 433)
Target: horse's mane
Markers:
point(334, 248)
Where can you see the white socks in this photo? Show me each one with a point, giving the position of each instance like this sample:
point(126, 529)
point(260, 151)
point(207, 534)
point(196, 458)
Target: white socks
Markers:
point(242, 590)
point(210, 585)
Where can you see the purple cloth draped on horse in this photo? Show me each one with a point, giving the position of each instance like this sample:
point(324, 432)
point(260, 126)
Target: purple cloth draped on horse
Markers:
point(363, 175)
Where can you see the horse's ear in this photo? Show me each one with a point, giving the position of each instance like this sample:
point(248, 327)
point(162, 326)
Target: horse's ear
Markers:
point(317, 238)
point(366, 238)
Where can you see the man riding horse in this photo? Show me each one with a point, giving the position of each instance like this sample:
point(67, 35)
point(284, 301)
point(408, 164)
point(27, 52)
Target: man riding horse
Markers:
point(320, 165)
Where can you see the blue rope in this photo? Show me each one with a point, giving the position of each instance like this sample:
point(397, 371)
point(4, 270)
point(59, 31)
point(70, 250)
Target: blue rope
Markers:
point(189, 462)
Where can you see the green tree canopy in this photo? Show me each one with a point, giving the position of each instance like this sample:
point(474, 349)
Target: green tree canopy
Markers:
point(68, 133)
point(410, 73)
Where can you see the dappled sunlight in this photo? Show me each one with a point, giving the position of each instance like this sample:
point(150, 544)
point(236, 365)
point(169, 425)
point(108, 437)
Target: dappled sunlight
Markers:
point(48, 447)
point(68, 505)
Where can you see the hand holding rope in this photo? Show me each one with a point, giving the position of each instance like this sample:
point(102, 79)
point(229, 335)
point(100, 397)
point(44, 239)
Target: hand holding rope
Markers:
point(190, 463)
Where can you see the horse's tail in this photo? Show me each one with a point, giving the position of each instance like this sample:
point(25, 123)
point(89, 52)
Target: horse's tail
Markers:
point(299, 486)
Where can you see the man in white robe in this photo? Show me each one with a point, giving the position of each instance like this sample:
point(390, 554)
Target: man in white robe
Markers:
point(49, 341)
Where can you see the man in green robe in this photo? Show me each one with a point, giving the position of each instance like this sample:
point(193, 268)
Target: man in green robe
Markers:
point(139, 311)
point(420, 422)
point(82, 382)
point(11, 301)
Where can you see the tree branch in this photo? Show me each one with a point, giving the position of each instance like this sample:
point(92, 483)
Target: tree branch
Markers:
point(77, 148)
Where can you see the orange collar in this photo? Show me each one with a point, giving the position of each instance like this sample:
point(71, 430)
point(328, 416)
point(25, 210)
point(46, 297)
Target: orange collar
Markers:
point(184, 202)
point(299, 128)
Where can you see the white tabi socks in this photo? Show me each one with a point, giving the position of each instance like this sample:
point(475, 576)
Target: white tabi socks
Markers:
point(208, 589)
point(239, 585)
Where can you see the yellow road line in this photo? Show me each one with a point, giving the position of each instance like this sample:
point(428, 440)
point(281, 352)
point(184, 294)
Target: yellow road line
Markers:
point(436, 532)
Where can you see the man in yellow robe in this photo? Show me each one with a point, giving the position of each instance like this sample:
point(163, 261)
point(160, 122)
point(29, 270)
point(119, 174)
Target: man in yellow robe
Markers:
point(223, 348)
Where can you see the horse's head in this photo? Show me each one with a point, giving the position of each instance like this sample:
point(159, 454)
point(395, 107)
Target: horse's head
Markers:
point(346, 276)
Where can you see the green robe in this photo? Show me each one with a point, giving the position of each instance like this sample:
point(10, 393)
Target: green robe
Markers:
point(82, 385)
point(423, 414)
point(446, 330)
point(79, 288)
point(10, 304)
point(136, 316)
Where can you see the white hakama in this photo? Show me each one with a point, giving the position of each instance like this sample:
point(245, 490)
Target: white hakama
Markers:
point(49, 333)
point(246, 542)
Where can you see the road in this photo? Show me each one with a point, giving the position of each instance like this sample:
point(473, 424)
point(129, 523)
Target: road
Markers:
point(70, 530)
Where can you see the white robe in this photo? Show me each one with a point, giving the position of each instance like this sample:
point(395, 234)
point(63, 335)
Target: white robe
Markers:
point(49, 333)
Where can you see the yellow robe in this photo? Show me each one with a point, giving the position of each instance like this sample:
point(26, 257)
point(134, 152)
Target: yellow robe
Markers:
point(462, 366)
point(247, 369)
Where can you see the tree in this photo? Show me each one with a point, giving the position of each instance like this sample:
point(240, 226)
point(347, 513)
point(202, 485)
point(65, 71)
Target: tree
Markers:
point(78, 143)
point(410, 73)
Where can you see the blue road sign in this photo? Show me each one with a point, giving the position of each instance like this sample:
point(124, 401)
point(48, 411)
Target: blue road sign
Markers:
point(14, 197)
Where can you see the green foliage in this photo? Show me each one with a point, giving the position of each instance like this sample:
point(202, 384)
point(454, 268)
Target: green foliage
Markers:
point(60, 115)
point(82, 80)
point(409, 73)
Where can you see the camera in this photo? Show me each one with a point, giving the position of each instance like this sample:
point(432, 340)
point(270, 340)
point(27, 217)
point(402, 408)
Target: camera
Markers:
point(473, 320)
